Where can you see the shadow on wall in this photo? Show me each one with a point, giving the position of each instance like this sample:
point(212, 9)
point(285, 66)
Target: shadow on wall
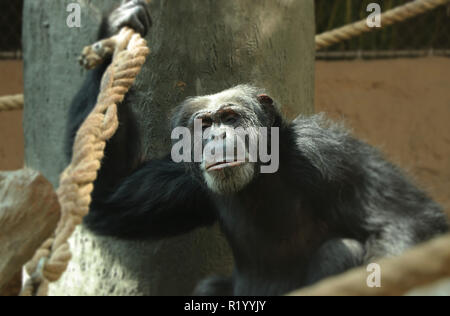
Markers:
point(400, 105)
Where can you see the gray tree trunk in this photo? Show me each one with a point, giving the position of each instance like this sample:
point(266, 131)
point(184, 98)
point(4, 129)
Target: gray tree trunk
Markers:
point(198, 47)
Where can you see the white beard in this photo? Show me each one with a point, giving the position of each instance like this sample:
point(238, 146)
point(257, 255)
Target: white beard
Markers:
point(229, 180)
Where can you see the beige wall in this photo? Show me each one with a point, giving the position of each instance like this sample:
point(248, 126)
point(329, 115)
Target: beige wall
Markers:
point(399, 105)
point(11, 133)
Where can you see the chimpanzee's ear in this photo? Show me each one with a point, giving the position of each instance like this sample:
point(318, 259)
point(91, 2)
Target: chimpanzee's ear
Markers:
point(271, 109)
point(264, 99)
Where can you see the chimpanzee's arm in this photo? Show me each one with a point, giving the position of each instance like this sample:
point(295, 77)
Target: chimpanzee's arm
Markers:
point(158, 200)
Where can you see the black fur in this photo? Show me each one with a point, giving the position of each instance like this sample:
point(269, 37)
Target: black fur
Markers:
point(334, 203)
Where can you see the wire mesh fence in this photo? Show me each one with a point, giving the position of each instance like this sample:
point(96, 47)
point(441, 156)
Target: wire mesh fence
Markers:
point(426, 34)
point(423, 35)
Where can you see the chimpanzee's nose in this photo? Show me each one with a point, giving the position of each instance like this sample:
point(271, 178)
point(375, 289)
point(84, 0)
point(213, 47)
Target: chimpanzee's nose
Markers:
point(222, 134)
point(219, 134)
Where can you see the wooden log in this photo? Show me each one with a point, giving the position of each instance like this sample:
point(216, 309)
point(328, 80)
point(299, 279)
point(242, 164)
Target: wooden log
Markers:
point(29, 212)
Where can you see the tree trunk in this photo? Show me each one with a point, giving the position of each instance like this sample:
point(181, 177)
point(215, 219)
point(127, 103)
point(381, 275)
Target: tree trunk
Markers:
point(197, 47)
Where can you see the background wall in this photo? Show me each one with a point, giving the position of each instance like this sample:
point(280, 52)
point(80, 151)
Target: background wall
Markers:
point(11, 132)
point(399, 105)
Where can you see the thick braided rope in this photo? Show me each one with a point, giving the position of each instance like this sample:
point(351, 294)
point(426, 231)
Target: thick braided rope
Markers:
point(390, 17)
point(420, 266)
point(11, 102)
point(76, 182)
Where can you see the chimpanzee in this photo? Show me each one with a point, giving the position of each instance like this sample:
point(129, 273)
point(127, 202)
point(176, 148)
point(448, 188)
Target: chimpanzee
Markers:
point(331, 203)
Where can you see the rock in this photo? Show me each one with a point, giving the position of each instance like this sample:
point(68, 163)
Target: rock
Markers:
point(29, 212)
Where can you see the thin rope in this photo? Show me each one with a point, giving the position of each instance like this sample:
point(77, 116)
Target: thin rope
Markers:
point(398, 14)
point(76, 182)
point(11, 102)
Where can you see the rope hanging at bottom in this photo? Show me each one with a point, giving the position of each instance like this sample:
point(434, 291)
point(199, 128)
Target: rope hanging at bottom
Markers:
point(417, 267)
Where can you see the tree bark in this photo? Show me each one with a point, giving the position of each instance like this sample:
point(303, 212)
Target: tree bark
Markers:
point(197, 47)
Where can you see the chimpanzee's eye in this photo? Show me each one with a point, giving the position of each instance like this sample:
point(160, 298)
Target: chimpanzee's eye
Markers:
point(206, 123)
point(230, 120)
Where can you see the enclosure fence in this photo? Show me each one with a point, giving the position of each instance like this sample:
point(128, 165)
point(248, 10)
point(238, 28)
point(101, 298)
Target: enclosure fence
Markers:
point(427, 34)
point(423, 35)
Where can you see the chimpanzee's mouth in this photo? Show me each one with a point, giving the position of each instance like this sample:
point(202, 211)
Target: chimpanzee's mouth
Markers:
point(215, 166)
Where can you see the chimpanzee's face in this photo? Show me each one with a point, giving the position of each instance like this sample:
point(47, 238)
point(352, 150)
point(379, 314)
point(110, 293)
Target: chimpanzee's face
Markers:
point(229, 123)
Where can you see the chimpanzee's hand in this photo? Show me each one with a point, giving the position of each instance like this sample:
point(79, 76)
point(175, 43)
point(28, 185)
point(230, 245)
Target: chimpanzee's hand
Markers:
point(131, 13)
